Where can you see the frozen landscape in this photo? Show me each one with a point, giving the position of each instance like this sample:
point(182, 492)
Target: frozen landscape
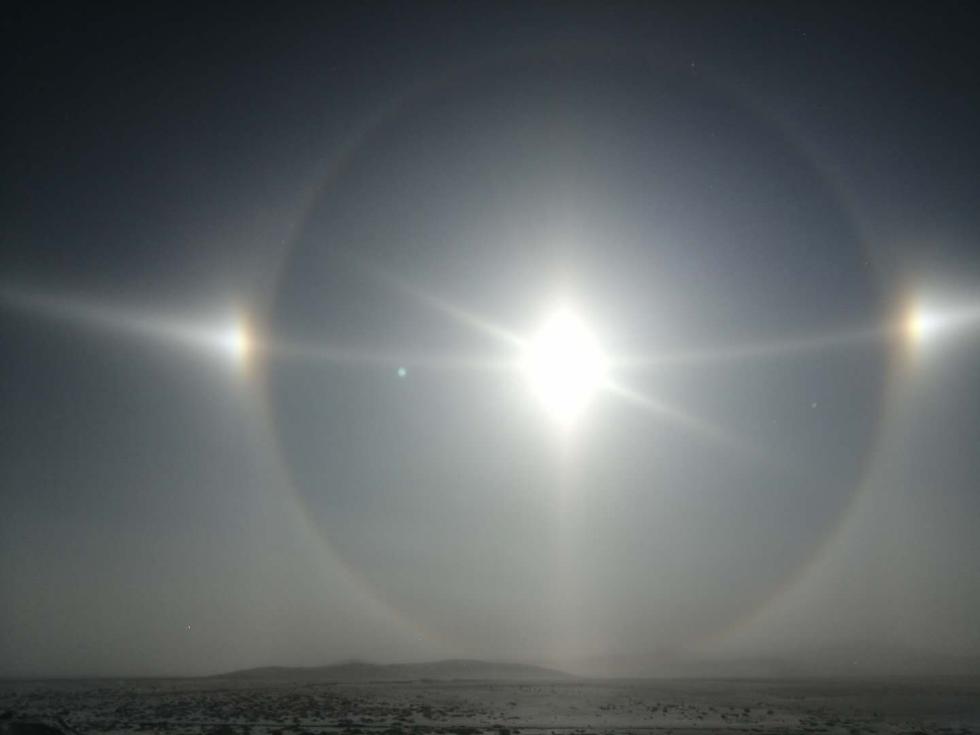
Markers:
point(293, 706)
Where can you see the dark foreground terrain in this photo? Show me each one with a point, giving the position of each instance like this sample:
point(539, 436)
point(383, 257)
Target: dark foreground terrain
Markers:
point(569, 707)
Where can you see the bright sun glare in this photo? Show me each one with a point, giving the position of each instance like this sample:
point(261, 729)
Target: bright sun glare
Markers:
point(915, 325)
point(564, 365)
point(236, 341)
point(921, 324)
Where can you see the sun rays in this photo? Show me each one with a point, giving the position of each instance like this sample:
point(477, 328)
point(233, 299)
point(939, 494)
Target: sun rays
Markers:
point(562, 362)
point(225, 335)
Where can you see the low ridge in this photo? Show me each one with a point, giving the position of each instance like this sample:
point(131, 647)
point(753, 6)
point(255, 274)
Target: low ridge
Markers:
point(363, 671)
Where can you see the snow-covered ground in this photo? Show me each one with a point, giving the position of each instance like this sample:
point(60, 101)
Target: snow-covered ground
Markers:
point(571, 707)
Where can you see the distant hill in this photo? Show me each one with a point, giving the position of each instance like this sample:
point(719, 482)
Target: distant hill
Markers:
point(362, 671)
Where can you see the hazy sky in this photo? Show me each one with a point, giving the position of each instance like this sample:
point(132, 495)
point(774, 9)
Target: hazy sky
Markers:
point(265, 280)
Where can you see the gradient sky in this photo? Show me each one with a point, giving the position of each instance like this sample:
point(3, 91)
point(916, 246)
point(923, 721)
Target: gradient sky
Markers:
point(743, 203)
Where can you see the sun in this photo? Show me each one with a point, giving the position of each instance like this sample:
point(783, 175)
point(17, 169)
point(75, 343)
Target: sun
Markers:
point(564, 365)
